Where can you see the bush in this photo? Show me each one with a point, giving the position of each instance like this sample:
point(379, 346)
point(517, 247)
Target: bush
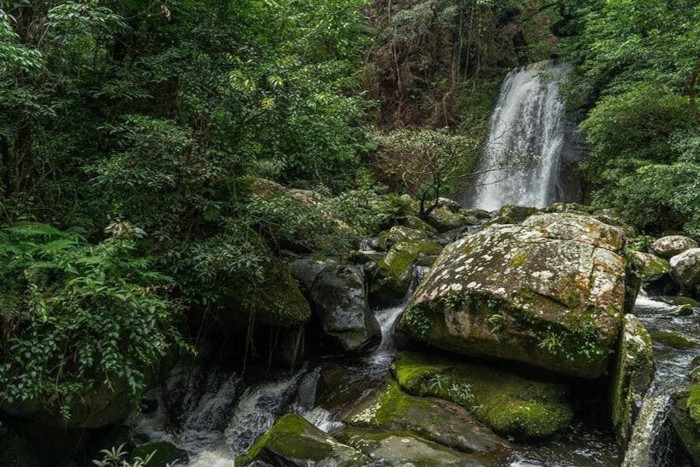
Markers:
point(76, 316)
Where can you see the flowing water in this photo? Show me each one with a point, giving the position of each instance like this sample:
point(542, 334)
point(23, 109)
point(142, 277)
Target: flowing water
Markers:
point(527, 139)
point(652, 442)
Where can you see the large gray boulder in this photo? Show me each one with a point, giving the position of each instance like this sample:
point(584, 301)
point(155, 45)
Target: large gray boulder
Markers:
point(672, 245)
point(686, 270)
point(549, 293)
point(338, 296)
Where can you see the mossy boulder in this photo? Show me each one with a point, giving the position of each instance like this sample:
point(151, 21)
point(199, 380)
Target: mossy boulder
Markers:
point(634, 372)
point(672, 245)
point(278, 301)
point(674, 339)
point(394, 273)
point(653, 267)
point(685, 417)
point(293, 441)
point(444, 422)
point(399, 233)
point(402, 449)
point(163, 454)
point(686, 270)
point(550, 293)
point(510, 213)
point(15, 450)
point(521, 408)
point(416, 223)
point(449, 215)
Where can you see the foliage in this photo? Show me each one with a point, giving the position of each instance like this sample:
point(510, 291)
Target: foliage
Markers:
point(638, 60)
point(78, 316)
point(115, 457)
point(424, 163)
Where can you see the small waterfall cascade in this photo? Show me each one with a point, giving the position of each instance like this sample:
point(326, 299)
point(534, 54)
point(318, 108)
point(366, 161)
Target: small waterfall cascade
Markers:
point(528, 138)
point(651, 444)
point(222, 418)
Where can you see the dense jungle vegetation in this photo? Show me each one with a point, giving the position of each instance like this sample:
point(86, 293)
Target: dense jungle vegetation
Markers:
point(140, 139)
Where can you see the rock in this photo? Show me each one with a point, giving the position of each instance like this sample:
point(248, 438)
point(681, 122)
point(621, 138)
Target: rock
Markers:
point(685, 418)
point(339, 297)
point(305, 269)
point(401, 449)
point(278, 302)
point(672, 245)
point(416, 223)
point(549, 293)
point(293, 441)
point(389, 409)
point(450, 216)
point(163, 454)
point(675, 340)
point(653, 267)
point(634, 372)
point(98, 407)
point(524, 409)
point(394, 274)
point(682, 310)
point(15, 450)
point(478, 213)
point(686, 270)
point(515, 214)
point(397, 234)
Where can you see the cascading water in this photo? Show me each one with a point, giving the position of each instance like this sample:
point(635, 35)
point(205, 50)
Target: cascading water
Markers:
point(529, 140)
point(651, 444)
point(222, 419)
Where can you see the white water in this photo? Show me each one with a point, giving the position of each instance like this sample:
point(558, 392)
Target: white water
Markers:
point(528, 125)
point(221, 420)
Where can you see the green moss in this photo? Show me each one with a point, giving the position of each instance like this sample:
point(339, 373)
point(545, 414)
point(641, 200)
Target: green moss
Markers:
point(687, 428)
point(693, 403)
point(673, 340)
point(518, 259)
point(393, 277)
point(511, 405)
point(292, 437)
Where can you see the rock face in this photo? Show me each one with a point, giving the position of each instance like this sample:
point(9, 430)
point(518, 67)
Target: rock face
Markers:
point(391, 410)
point(549, 293)
point(634, 373)
point(339, 297)
point(672, 245)
point(520, 408)
point(293, 441)
point(685, 416)
point(400, 449)
point(686, 270)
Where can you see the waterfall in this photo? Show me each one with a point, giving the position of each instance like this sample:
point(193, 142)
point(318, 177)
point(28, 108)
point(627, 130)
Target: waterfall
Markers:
point(528, 139)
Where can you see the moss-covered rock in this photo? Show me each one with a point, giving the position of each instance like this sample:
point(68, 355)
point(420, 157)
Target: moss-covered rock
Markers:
point(393, 276)
point(634, 372)
point(522, 408)
point(161, 453)
point(15, 450)
point(277, 302)
point(390, 409)
point(294, 441)
point(416, 223)
point(653, 267)
point(449, 215)
point(516, 214)
point(399, 233)
point(687, 426)
point(673, 339)
point(550, 293)
point(401, 449)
